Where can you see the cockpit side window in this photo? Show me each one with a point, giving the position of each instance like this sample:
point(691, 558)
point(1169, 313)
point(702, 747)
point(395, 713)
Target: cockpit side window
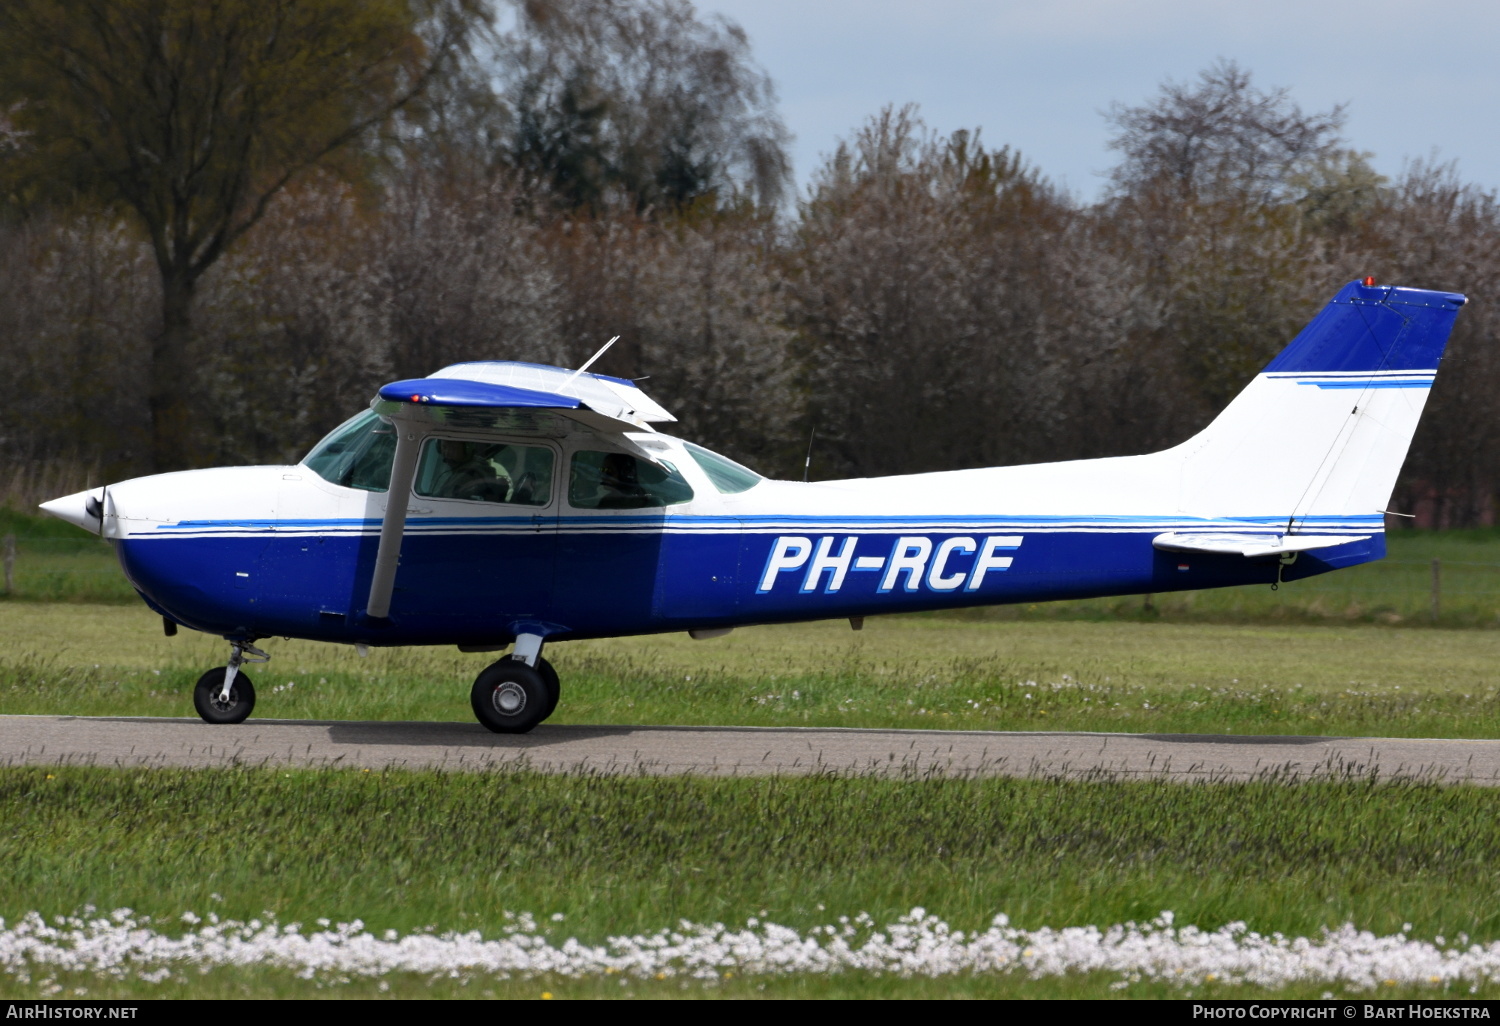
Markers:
point(357, 454)
point(455, 468)
point(726, 475)
point(613, 480)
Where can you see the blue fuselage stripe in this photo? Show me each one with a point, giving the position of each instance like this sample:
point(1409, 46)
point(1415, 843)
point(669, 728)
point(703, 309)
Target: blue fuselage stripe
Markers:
point(1378, 383)
point(789, 522)
point(461, 588)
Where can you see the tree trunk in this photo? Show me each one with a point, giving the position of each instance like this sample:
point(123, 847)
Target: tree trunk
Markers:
point(172, 438)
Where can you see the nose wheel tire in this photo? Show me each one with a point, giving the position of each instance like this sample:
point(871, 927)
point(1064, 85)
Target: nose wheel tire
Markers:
point(206, 697)
point(510, 697)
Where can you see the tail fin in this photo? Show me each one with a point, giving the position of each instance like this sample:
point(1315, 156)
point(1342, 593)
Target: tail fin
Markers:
point(1321, 433)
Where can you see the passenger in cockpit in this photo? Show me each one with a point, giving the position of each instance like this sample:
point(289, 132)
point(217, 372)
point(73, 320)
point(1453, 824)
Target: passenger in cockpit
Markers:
point(619, 483)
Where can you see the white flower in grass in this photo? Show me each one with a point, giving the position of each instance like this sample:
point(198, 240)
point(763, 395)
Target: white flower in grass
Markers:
point(916, 944)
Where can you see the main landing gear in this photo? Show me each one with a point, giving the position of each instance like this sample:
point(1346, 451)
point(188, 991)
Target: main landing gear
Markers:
point(225, 694)
point(514, 694)
point(510, 696)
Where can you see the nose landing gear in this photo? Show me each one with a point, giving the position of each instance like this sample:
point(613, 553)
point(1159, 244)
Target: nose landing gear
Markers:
point(225, 694)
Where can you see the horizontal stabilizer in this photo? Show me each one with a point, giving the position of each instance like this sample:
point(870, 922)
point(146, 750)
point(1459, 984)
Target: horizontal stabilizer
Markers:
point(1251, 544)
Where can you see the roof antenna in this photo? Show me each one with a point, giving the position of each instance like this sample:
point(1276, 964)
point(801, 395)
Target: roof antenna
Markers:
point(590, 361)
point(807, 464)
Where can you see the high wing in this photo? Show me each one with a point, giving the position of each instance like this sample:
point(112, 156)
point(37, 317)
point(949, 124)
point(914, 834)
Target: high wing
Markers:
point(522, 395)
point(505, 397)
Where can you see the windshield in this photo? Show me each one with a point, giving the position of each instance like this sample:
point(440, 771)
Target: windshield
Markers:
point(357, 454)
point(725, 474)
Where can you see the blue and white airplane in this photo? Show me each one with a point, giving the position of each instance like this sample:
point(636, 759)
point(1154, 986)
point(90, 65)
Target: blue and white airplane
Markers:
point(536, 505)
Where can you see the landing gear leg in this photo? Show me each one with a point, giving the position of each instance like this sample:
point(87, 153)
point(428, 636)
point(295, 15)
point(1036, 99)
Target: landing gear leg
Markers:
point(516, 693)
point(225, 694)
point(528, 650)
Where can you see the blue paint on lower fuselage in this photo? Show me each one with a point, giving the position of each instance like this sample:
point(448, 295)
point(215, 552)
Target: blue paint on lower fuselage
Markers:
point(471, 588)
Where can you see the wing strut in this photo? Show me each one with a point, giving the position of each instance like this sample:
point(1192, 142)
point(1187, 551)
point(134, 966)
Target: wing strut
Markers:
point(403, 470)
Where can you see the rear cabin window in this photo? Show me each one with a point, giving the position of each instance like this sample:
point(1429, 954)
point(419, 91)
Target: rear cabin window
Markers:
point(613, 480)
point(357, 454)
point(455, 468)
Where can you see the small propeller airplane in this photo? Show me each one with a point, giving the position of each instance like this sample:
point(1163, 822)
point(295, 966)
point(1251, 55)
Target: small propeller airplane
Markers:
point(500, 505)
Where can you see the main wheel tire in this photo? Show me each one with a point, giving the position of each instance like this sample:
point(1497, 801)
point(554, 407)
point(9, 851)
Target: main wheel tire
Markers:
point(206, 697)
point(510, 697)
point(554, 685)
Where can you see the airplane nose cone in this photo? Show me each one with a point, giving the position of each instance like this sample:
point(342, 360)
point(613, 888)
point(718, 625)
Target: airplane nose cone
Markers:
point(85, 509)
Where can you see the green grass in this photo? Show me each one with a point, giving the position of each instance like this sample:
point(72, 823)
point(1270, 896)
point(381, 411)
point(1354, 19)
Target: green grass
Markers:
point(898, 672)
point(57, 562)
point(402, 850)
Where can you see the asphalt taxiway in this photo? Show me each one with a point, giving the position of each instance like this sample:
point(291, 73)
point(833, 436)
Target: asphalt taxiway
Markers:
point(741, 751)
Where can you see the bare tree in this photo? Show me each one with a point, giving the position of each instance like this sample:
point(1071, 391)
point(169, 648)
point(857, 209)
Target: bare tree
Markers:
point(194, 116)
point(1220, 137)
point(932, 303)
point(1217, 209)
point(330, 299)
point(920, 292)
point(1432, 229)
point(72, 341)
point(643, 100)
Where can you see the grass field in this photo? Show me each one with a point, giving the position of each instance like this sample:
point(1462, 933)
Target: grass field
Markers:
point(613, 855)
point(70, 658)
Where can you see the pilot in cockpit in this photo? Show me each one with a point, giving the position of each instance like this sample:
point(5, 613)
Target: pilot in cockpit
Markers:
point(469, 472)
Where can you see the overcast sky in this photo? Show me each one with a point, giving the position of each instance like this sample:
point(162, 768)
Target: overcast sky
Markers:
point(1418, 78)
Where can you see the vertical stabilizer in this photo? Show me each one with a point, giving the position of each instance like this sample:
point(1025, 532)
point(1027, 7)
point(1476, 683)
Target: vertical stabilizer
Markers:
point(1321, 433)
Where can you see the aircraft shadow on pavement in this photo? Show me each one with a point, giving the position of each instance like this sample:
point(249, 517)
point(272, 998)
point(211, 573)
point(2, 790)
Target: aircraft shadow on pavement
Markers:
point(466, 735)
point(1241, 739)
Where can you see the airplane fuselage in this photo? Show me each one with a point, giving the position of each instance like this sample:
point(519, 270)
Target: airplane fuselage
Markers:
point(277, 551)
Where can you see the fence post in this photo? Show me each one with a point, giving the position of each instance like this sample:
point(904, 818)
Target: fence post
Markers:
point(1437, 587)
point(10, 562)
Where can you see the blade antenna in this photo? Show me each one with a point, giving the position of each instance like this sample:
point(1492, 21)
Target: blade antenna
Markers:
point(590, 361)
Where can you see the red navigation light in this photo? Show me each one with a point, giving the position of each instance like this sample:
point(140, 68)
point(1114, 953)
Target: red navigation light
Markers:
point(416, 398)
point(1369, 281)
